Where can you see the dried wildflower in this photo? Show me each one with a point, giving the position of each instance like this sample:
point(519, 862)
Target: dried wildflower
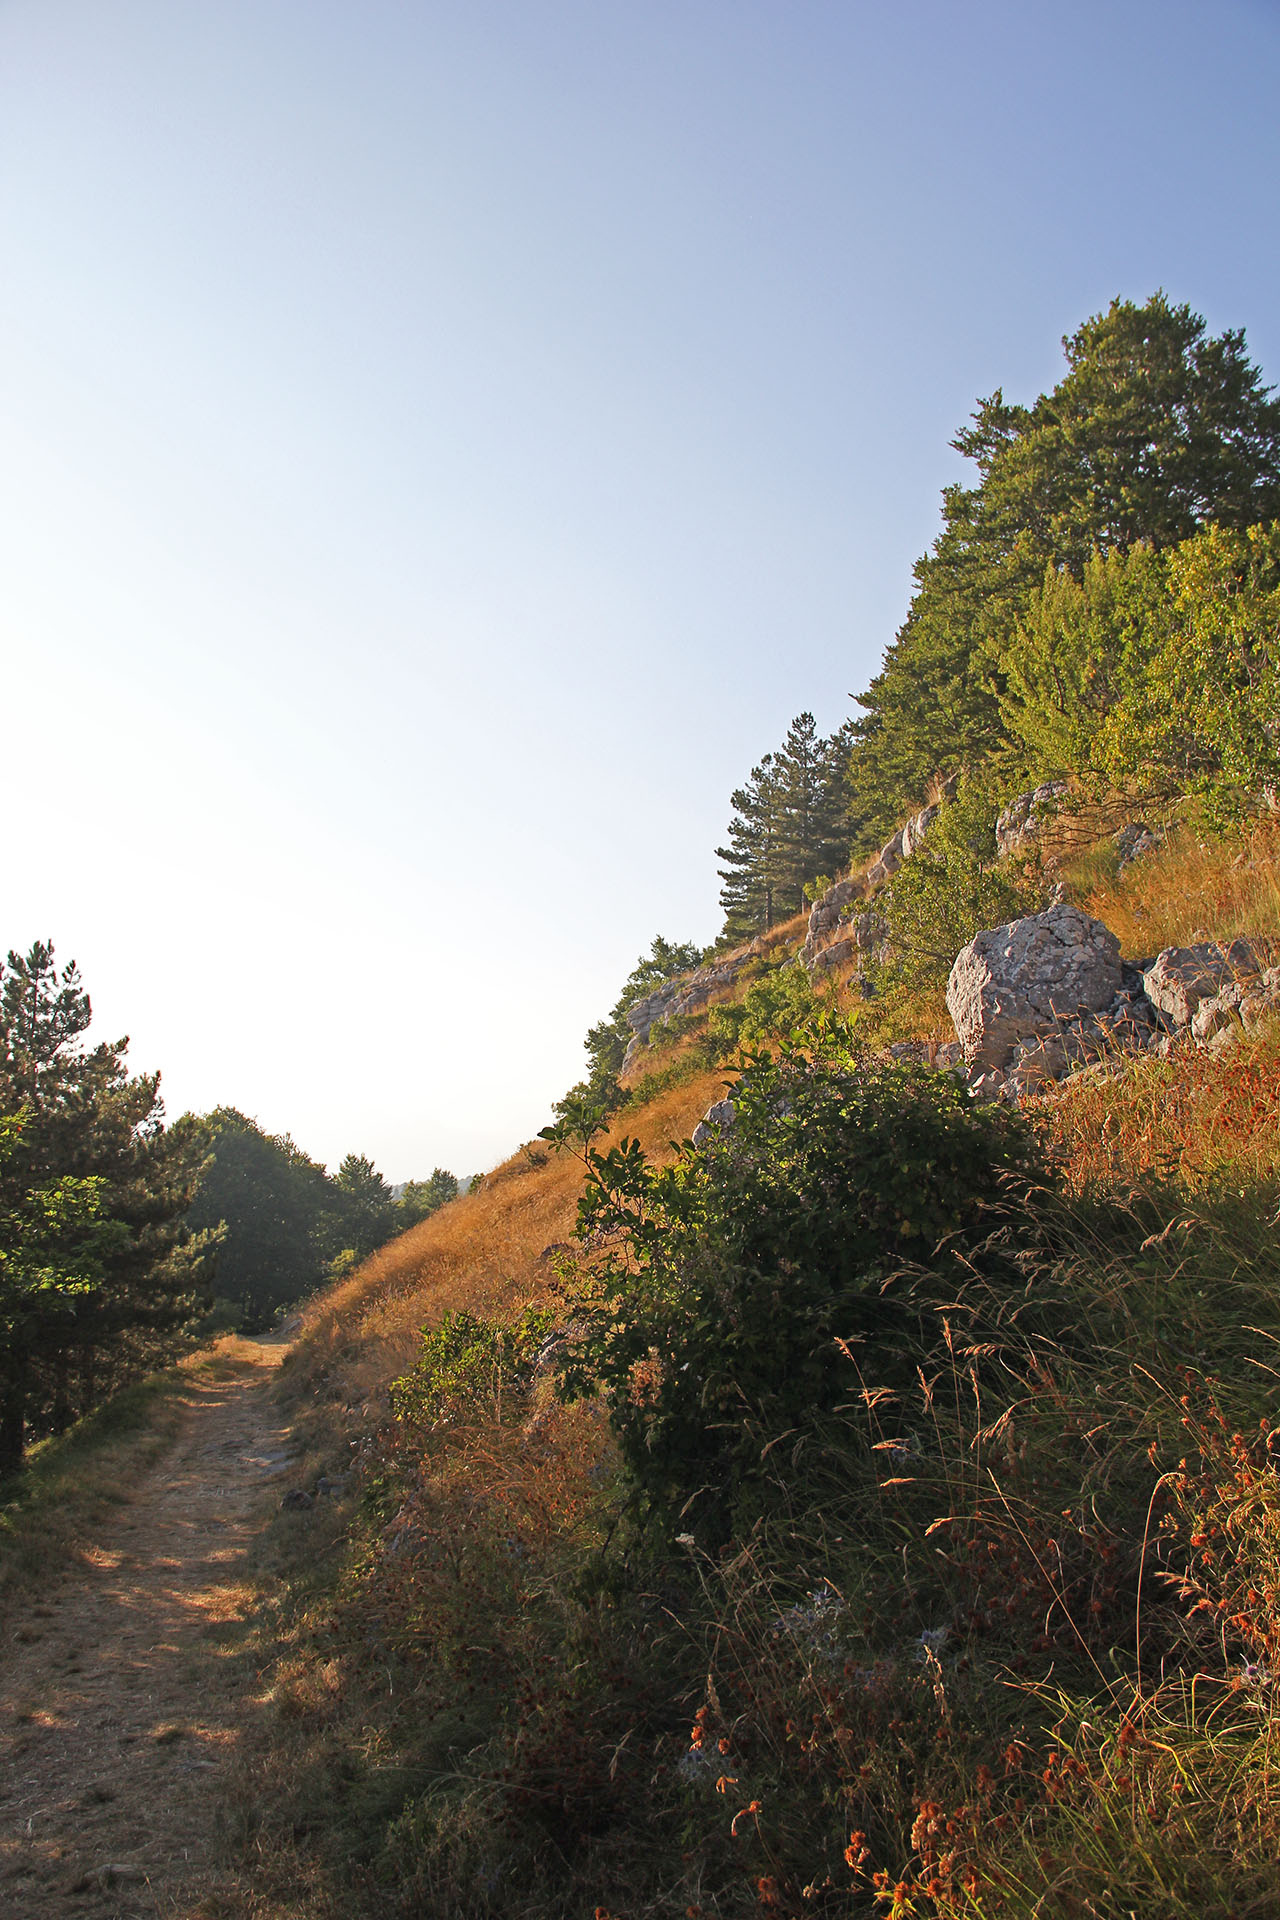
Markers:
point(748, 1812)
point(857, 1851)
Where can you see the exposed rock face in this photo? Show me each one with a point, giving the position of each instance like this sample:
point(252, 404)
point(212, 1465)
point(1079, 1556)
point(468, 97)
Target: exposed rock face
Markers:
point(825, 916)
point(916, 831)
point(687, 993)
point(1135, 841)
point(718, 1119)
point(889, 860)
point(865, 933)
point(835, 938)
point(1021, 821)
point(1025, 981)
point(1181, 977)
point(1261, 999)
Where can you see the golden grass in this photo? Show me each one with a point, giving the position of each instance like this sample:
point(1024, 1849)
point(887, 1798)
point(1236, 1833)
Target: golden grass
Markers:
point(1190, 1116)
point(467, 1597)
point(1193, 890)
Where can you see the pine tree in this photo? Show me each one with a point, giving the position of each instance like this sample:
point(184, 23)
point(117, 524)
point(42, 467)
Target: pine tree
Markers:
point(751, 870)
point(97, 1267)
point(1155, 431)
point(788, 827)
point(811, 837)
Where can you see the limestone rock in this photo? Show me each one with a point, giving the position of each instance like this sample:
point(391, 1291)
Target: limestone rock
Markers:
point(888, 860)
point(1025, 980)
point(1261, 1000)
point(836, 938)
point(687, 993)
point(1021, 821)
point(1135, 841)
point(1218, 1012)
point(1181, 977)
point(718, 1119)
point(916, 831)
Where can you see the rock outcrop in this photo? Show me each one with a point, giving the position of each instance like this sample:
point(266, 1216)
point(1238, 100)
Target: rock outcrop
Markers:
point(1034, 999)
point(1025, 817)
point(1022, 982)
point(1135, 841)
point(718, 1119)
point(836, 937)
point(916, 831)
point(687, 993)
point(1181, 977)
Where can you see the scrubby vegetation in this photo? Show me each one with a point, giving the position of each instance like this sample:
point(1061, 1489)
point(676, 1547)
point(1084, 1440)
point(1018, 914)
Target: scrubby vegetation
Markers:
point(1100, 604)
point(872, 1513)
point(871, 1510)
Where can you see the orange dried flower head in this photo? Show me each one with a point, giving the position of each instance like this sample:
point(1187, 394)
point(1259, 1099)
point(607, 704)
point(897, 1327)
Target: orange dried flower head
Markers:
point(857, 1851)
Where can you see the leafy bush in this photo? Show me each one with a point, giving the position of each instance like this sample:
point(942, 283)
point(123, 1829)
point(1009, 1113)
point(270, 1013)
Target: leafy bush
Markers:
point(773, 1008)
point(466, 1365)
point(1155, 672)
point(728, 1292)
point(951, 888)
point(1201, 714)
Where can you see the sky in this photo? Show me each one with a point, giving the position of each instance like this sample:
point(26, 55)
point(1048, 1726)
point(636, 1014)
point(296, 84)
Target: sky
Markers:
point(442, 446)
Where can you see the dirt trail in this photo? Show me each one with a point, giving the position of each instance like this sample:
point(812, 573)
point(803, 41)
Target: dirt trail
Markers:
point(122, 1693)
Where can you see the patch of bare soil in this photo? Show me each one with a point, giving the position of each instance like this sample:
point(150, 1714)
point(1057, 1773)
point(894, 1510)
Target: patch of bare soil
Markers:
point(124, 1691)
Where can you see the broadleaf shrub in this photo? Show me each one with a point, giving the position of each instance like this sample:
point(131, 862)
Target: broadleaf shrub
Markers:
point(466, 1364)
point(838, 1221)
point(951, 888)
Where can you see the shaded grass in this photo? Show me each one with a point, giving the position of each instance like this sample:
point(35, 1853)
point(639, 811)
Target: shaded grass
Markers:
point(71, 1481)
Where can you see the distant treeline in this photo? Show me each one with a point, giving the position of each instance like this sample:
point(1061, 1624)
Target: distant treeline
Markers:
point(1101, 603)
point(287, 1225)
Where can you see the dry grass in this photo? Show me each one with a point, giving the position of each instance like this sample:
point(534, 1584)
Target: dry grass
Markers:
point(1189, 1118)
point(472, 1719)
point(70, 1482)
point(1190, 891)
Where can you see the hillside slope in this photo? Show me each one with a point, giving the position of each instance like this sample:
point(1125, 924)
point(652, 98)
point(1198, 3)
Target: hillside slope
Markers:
point(1002, 1639)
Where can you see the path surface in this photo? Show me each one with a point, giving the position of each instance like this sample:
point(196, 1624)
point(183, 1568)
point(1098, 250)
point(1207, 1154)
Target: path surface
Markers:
point(122, 1693)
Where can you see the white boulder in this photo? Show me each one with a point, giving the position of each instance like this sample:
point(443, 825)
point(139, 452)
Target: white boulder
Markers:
point(1026, 980)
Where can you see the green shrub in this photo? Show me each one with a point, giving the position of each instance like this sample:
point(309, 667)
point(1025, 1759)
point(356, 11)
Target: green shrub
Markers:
point(467, 1365)
point(772, 1009)
point(728, 1293)
point(950, 889)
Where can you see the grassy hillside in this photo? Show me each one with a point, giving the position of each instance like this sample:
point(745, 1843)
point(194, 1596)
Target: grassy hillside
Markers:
point(1000, 1640)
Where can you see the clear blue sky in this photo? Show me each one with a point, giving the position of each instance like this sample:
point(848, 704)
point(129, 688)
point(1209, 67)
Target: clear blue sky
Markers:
point(443, 445)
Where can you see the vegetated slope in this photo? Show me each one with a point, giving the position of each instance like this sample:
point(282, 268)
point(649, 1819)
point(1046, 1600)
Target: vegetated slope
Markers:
point(488, 1251)
point(1001, 1640)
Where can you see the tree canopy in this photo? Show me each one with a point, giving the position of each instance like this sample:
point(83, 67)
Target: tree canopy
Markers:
point(788, 826)
point(98, 1267)
point(1156, 431)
